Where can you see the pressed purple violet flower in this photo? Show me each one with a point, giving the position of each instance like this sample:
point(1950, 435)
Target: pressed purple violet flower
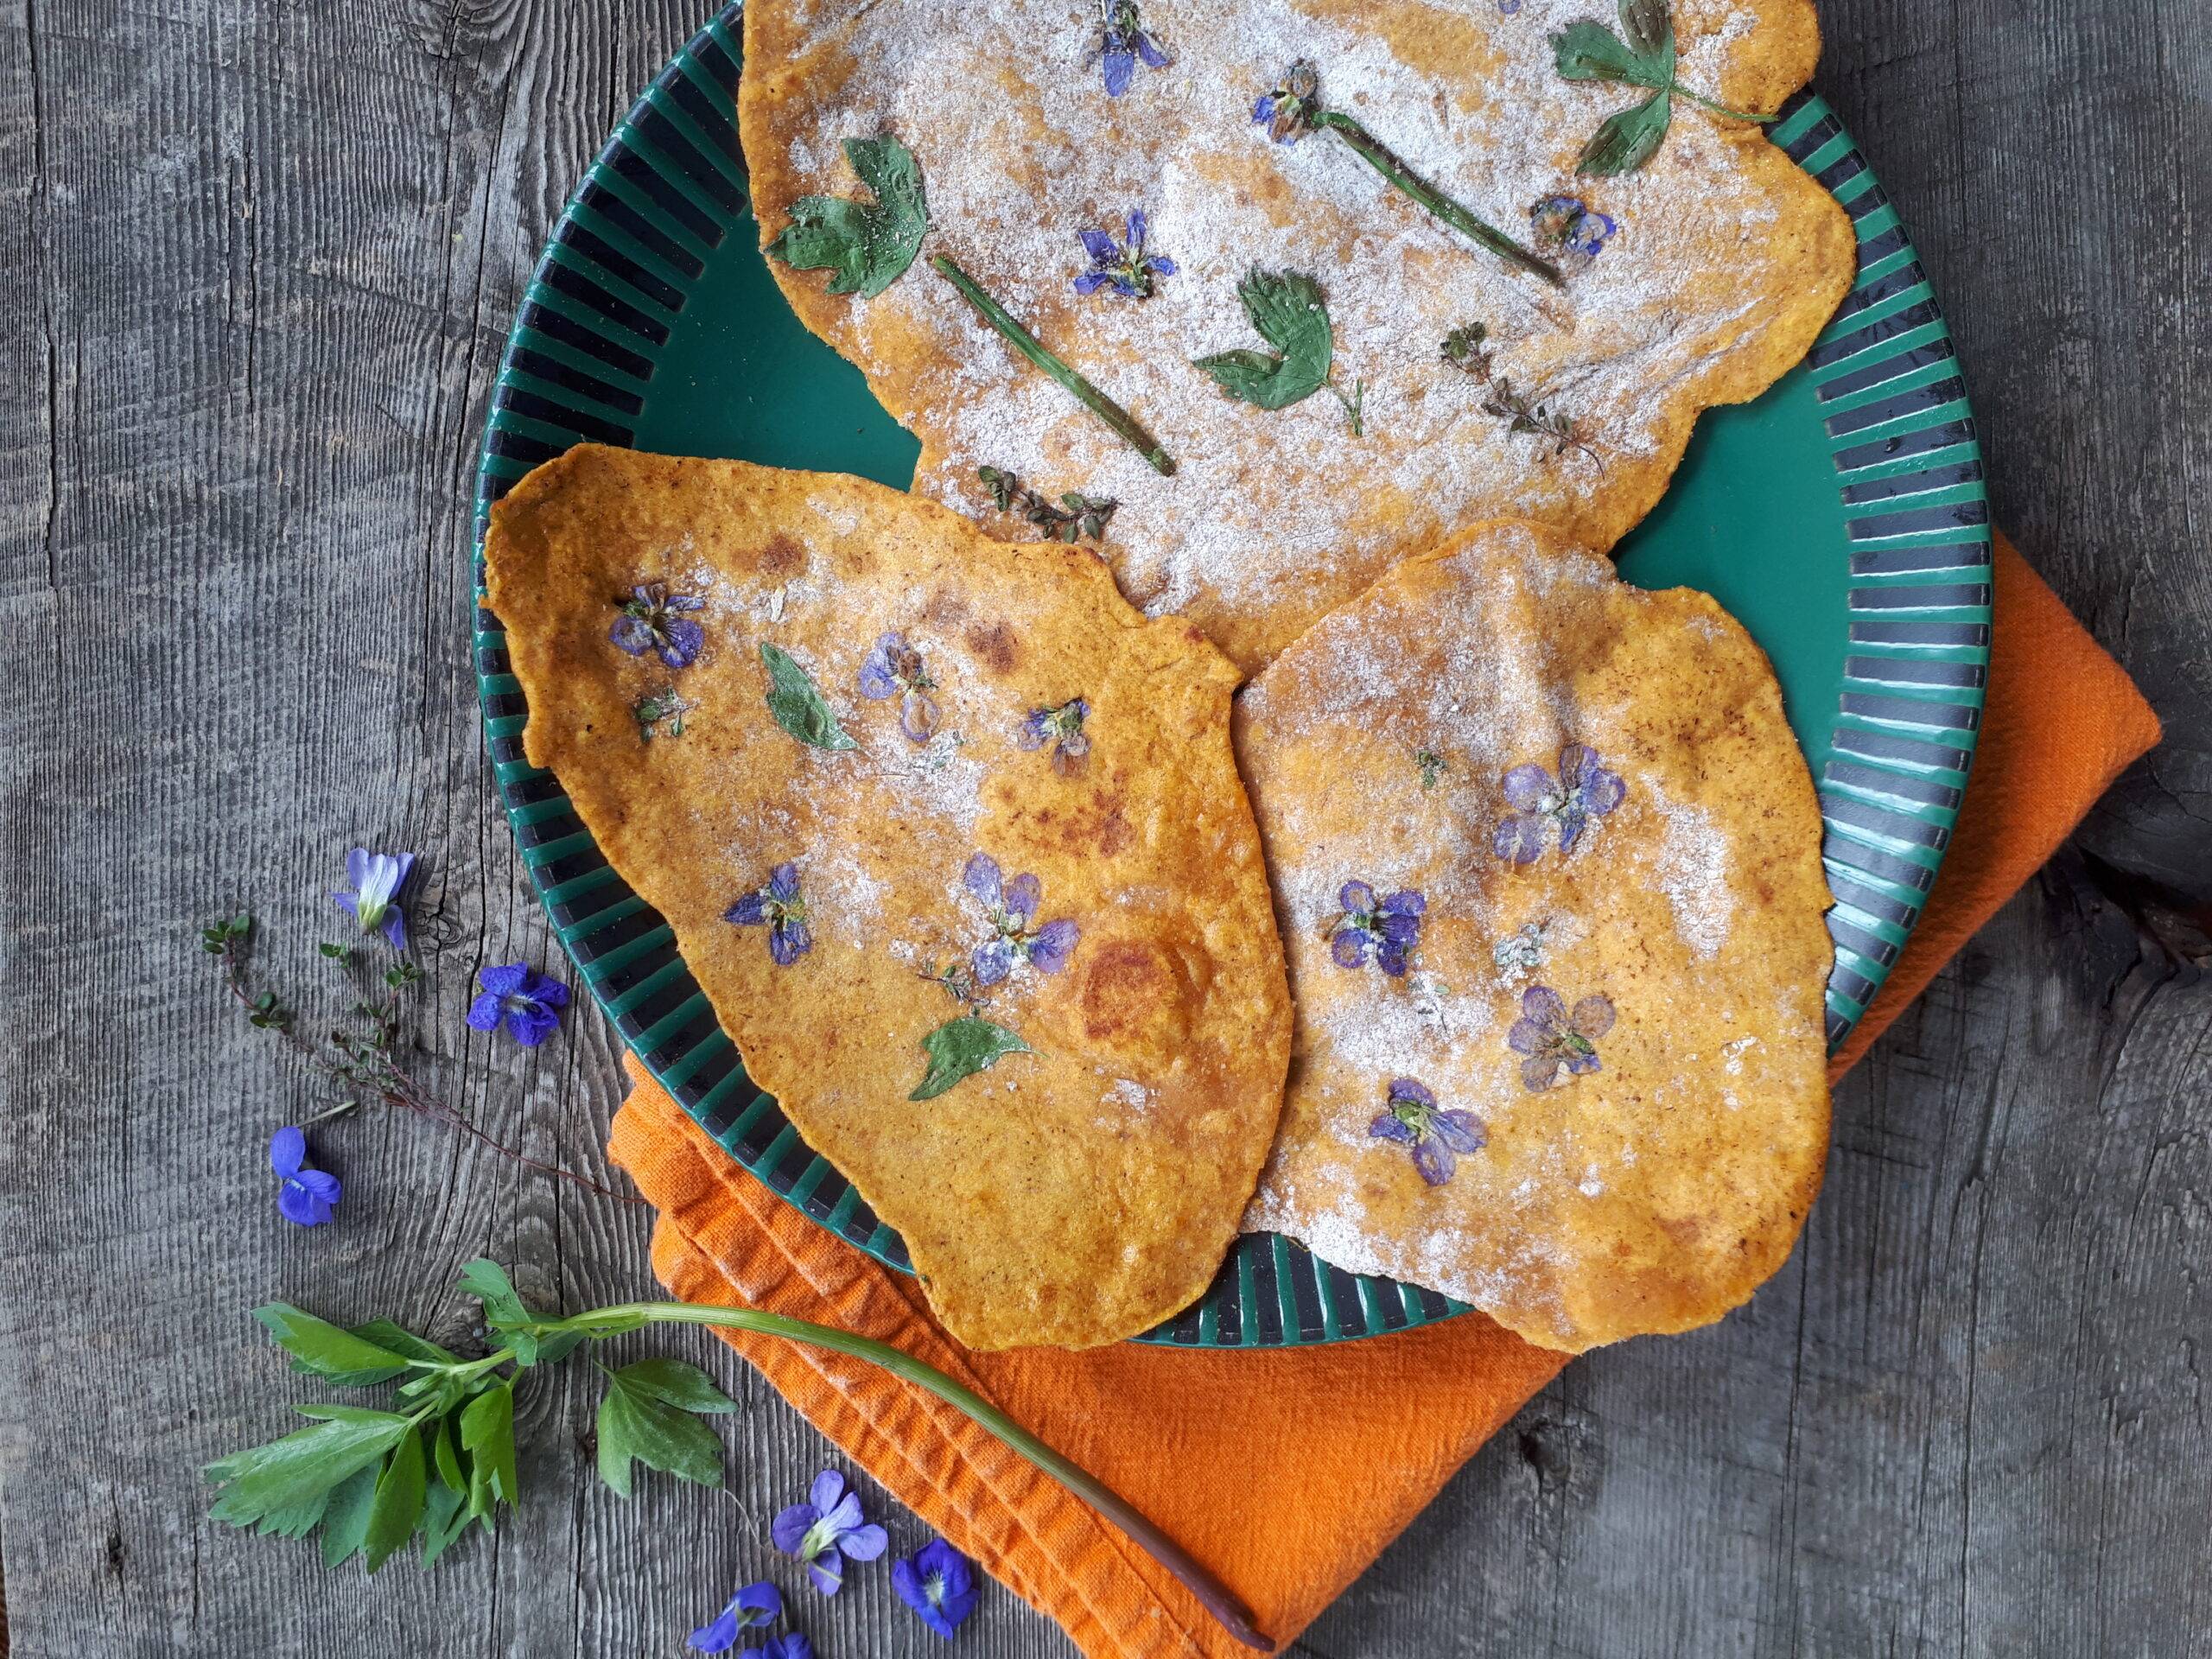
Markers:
point(790, 1645)
point(1123, 42)
point(1287, 110)
point(783, 907)
point(1584, 789)
point(1558, 1043)
point(937, 1582)
point(1127, 268)
point(529, 1002)
point(378, 880)
point(756, 1604)
point(1391, 927)
point(1568, 224)
point(1012, 907)
point(651, 621)
point(895, 666)
point(1063, 729)
point(825, 1529)
point(306, 1196)
point(1438, 1138)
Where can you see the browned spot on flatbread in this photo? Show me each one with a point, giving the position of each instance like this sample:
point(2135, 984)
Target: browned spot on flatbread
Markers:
point(782, 557)
point(995, 645)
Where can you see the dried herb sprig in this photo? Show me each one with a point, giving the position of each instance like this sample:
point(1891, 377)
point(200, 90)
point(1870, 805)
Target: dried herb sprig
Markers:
point(1463, 349)
point(1642, 54)
point(1077, 515)
point(1030, 347)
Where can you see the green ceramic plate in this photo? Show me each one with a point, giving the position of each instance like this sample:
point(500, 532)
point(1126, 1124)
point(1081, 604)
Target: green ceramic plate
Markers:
point(1841, 517)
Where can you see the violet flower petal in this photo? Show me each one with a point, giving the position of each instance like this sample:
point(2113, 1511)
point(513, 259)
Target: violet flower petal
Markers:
point(287, 1150)
point(1434, 1161)
point(788, 1530)
point(981, 878)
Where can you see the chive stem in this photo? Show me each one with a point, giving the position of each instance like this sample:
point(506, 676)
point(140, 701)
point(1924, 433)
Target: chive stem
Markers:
point(1385, 160)
point(1030, 347)
point(1212, 1594)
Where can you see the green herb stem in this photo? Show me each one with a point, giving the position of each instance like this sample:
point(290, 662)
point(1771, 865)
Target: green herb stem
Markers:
point(1719, 109)
point(1030, 347)
point(1385, 160)
point(1212, 1594)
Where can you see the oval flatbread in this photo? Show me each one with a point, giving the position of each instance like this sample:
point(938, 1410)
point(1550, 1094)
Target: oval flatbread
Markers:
point(953, 840)
point(1547, 861)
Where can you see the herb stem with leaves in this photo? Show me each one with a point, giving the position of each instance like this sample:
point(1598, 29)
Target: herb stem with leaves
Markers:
point(1642, 54)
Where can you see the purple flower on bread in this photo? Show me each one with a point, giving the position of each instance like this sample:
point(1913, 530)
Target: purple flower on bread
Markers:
point(1584, 789)
point(1557, 1042)
point(826, 1528)
point(894, 668)
point(754, 1604)
point(1125, 267)
point(1388, 928)
point(374, 897)
point(1123, 43)
point(938, 1583)
point(1012, 907)
point(1439, 1138)
point(1570, 226)
point(652, 619)
point(1286, 110)
point(307, 1196)
point(782, 907)
point(525, 1000)
point(1062, 727)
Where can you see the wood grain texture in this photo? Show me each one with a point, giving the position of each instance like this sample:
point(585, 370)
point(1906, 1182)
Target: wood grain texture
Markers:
point(259, 259)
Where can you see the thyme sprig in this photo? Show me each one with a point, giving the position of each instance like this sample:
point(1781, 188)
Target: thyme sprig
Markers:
point(1463, 349)
point(1077, 515)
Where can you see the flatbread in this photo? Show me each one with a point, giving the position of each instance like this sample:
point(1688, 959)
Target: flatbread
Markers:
point(1561, 1058)
point(1073, 1194)
point(1725, 262)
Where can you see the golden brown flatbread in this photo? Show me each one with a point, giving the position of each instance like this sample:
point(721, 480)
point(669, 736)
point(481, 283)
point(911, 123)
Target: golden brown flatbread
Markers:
point(1547, 861)
point(1722, 262)
point(894, 783)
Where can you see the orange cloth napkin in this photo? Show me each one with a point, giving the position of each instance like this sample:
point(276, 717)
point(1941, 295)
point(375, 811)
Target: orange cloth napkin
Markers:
point(1287, 1472)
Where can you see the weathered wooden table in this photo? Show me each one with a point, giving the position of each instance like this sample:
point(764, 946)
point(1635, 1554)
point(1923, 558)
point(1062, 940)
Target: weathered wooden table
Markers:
point(259, 260)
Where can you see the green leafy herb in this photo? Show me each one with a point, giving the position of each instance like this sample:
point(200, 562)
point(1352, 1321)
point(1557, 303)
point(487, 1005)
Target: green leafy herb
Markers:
point(798, 703)
point(1287, 311)
point(1431, 765)
point(660, 714)
point(1076, 516)
point(1643, 55)
point(866, 247)
point(960, 1048)
point(648, 1417)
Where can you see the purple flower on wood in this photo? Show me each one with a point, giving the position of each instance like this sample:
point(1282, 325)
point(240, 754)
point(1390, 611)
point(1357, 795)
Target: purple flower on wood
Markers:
point(826, 1528)
point(1439, 1138)
point(1063, 729)
point(783, 908)
point(1287, 110)
point(1584, 789)
point(653, 620)
point(1389, 927)
point(894, 667)
point(1127, 268)
point(1557, 1042)
point(938, 1583)
point(374, 897)
point(306, 1196)
point(1012, 907)
point(1123, 43)
point(755, 1605)
point(790, 1645)
point(1565, 223)
point(528, 1002)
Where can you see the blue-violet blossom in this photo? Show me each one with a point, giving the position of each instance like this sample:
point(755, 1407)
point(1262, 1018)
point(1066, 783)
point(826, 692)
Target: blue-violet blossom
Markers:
point(825, 1529)
point(1391, 927)
point(756, 1604)
point(1122, 43)
point(783, 907)
point(374, 899)
point(1584, 789)
point(1063, 729)
point(894, 666)
point(1439, 1138)
point(1125, 267)
point(529, 1002)
point(1567, 223)
point(303, 1195)
point(1012, 907)
point(651, 620)
point(1287, 110)
point(1558, 1043)
point(939, 1584)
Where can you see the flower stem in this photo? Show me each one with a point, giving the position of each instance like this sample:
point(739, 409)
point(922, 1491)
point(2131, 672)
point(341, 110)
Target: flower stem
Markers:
point(1212, 1594)
point(1385, 160)
point(1030, 347)
point(1719, 108)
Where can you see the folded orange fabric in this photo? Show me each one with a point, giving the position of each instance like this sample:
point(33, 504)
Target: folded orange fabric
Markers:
point(1331, 1451)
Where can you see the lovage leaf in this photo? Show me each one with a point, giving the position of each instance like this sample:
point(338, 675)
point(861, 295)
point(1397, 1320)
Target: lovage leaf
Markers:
point(865, 247)
point(798, 705)
point(679, 1383)
point(398, 1501)
point(511, 1318)
point(284, 1486)
point(445, 1518)
point(1288, 310)
point(636, 1424)
point(1629, 138)
point(960, 1048)
point(318, 1348)
point(487, 1434)
point(345, 1517)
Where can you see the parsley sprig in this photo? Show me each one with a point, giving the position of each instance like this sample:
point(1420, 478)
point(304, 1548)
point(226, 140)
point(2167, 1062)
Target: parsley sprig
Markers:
point(373, 1481)
point(1643, 55)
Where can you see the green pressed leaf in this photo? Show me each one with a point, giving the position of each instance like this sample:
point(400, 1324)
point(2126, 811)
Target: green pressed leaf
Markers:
point(678, 1383)
point(318, 1348)
point(866, 247)
point(1287, 309)
point(635, 1425)
point(345, 1518)
point(487, 1434)
point(960, 1048)
point(1628, 139)
point(284, 1486)
point(797, 705)
point(397, 1505)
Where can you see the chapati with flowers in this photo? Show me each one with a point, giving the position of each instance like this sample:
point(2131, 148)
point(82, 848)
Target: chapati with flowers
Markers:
point(952, 838)
point(1547, 863)
point(1295, 288)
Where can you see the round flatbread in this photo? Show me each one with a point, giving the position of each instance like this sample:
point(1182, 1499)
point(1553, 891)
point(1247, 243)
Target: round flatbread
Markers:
point(1546, 859)
point(953, 840)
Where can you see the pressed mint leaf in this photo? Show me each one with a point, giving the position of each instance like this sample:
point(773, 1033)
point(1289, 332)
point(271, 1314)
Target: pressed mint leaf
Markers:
point(1628, 139)
point(1287, 309)
point(398, 1501)
point(798, 705)
point(960, 1048)
point(318, 1348)
point(635, 1425)
point(865, 247)
point(284, 1485)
